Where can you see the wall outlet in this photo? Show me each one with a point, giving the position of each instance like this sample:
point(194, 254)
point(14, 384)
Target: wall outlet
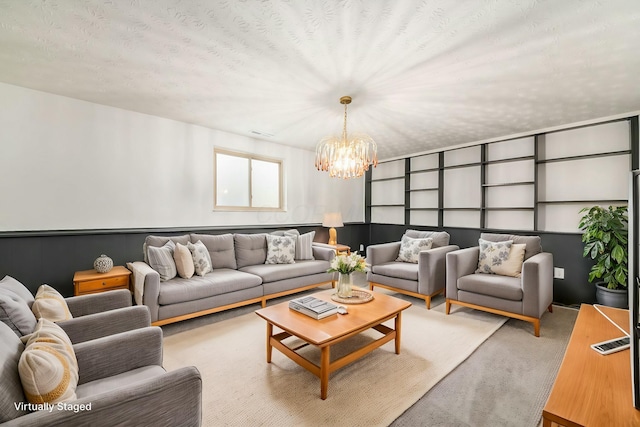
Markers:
point(558, 273)
point(361, 247)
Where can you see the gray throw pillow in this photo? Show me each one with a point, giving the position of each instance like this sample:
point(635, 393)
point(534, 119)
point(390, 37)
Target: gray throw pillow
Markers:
point(17, 288)
point(15, 313)
point(161, 260)
point(304, 249)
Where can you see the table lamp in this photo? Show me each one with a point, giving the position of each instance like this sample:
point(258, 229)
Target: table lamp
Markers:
point(332, 219)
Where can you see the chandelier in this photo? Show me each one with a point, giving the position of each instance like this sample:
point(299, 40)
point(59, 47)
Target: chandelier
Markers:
point(346, 157)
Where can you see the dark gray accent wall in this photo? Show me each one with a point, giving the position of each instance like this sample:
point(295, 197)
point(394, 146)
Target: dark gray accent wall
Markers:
point(52, 257)
point(565, 247)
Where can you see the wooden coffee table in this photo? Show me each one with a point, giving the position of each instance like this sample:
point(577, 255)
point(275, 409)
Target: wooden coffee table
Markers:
point(329, 331)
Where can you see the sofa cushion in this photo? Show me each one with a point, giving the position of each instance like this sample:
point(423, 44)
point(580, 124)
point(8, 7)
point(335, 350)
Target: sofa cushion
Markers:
point(11, 390)
point(251, 249)
point(401, 270)
point(114, 382)
point(201, 258)
point(502, 287)
point(50, 304)
point(534, 245)
point(218, 282)
point(161, 260)
point(15, 313)
point(17, 288)
point(280, 249)
point(159, 241)
point(410, 248)
point(48, 367)
point(220, 247)
point(304, 244)
point(440, 238)
point(284, 232)
point(275, 272)
point(184, 261)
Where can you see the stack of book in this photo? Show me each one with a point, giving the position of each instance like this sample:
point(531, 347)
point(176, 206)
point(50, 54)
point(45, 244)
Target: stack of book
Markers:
point(313, 307)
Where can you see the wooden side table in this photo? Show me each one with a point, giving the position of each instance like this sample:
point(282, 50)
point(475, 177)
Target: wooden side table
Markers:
point(342, 249)
point(91, 282)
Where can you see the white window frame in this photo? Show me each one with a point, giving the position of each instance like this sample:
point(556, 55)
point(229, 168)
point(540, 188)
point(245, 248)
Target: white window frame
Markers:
point(250, 157)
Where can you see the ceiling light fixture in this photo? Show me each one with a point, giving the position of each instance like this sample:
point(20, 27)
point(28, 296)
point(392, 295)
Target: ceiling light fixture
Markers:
point(346, 157)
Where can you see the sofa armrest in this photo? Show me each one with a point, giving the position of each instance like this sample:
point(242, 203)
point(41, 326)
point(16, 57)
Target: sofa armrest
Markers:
point(80, 329)
point(383, 252)
point(537, 284)
point(95, 303)
point(167, 400)
point(460, 263)
point(115, 354)
point(326, 253)
point(146, 286)
point(432, 269)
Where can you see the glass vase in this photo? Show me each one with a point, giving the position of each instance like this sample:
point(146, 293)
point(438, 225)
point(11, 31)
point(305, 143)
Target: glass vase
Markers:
point(344, 285)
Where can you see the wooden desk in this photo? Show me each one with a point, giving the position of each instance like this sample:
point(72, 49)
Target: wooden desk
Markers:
point(592, 389)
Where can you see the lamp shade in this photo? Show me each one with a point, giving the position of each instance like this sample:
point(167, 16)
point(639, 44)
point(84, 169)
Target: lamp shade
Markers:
point(332, 219)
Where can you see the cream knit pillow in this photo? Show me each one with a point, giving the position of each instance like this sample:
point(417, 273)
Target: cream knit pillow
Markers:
point(48, 367)
point(184, 261)
point(50, 305)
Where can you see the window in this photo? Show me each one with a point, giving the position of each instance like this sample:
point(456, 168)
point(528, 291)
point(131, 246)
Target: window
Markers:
point(246, 182)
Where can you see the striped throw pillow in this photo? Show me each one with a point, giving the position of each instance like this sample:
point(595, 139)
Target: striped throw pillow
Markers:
point(49, 304)
point(303, 244)
point(161, 260)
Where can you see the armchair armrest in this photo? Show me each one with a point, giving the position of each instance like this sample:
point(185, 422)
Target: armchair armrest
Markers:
point(432, 269)
point(95, 303)
point(167, 400)
point(537, 284)
point(326, 253)
point(383, 252)
point(115, 354)
point(80, 329)
point(460, 263)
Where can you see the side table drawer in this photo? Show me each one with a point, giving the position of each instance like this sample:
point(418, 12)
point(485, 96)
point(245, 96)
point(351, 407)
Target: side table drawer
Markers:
point(99, 285)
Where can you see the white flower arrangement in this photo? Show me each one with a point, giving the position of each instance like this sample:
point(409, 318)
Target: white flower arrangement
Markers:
point(347, 264)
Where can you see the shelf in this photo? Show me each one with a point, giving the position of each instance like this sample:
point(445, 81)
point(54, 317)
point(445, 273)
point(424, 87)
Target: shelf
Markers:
point(386, 206)
point(509, 184)
point(510, 208)
point(424, 170)
point(585, 156)
point(568, 202)
point(388, 179)
point(511, 159)
point(421, 209)
point(421, 189)
point(461, 209)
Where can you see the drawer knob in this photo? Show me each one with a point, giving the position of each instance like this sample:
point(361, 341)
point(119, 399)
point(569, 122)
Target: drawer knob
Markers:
point(104, 284)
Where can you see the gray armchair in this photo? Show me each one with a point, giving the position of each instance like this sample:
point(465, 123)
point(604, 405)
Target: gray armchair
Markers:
point(424, 280)
point(94, 316)
point(525, 298)
point(121, 376)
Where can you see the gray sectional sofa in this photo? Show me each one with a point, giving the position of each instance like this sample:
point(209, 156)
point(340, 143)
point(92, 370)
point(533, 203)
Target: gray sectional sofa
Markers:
point(239, 277)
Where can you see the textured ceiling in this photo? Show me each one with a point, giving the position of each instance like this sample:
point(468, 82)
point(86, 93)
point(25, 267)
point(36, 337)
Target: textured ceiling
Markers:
point(422, 74)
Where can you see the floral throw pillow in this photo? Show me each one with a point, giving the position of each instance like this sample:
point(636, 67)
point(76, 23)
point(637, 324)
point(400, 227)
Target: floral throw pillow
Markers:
point(201, 258)
point(281, 249)
point(493, 255)
point(410, 248)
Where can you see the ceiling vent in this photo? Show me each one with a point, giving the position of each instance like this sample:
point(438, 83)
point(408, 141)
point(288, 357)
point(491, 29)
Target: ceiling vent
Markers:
point(265, 134)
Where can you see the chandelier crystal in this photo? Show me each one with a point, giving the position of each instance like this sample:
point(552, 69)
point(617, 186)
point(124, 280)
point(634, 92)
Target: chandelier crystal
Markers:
point(346, 157)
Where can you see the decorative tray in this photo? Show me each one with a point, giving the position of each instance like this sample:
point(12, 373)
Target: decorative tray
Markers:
point(359, 297)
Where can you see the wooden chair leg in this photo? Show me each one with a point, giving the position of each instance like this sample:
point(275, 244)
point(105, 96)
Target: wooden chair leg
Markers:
point(536, 327)
point(447, 306)
point(370, 286)
point(428, 301)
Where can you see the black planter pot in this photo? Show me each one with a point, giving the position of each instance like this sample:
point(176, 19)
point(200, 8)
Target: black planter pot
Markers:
point(618, 298)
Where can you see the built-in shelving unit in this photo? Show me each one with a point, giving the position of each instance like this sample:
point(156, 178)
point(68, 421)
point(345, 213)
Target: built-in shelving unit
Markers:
point(534, 183)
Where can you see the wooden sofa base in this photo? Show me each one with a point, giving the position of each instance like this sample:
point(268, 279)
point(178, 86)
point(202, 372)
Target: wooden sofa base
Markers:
point(534, 320)
point(426, 298)
point(261, 300)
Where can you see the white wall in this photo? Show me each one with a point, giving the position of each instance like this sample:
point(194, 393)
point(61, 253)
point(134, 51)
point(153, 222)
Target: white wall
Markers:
point(67, 164)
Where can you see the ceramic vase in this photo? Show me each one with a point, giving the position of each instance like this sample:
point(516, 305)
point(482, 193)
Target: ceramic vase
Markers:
point(103, 264)
point(344, 285)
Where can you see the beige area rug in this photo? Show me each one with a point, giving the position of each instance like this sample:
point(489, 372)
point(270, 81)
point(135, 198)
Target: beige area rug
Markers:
point(241, 388)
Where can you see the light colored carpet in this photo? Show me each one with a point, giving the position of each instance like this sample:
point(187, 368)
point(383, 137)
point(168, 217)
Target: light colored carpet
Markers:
point(240, 388)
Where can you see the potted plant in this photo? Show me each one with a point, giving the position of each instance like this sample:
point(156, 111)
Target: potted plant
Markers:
point(605, 238)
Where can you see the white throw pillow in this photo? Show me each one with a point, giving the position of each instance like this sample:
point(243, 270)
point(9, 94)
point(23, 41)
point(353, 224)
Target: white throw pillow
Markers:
point(201, 258)
point(410, 248)
point(50, 304)
point(184, 261)
point(280, 249)
point(511, 266)
point(161, 260)
point(493, 255)
point(48, 367)
point(304, 249)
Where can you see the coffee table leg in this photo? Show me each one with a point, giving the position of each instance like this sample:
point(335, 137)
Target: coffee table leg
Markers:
point(269, 347)
point(398, 323)
point(324, 372)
